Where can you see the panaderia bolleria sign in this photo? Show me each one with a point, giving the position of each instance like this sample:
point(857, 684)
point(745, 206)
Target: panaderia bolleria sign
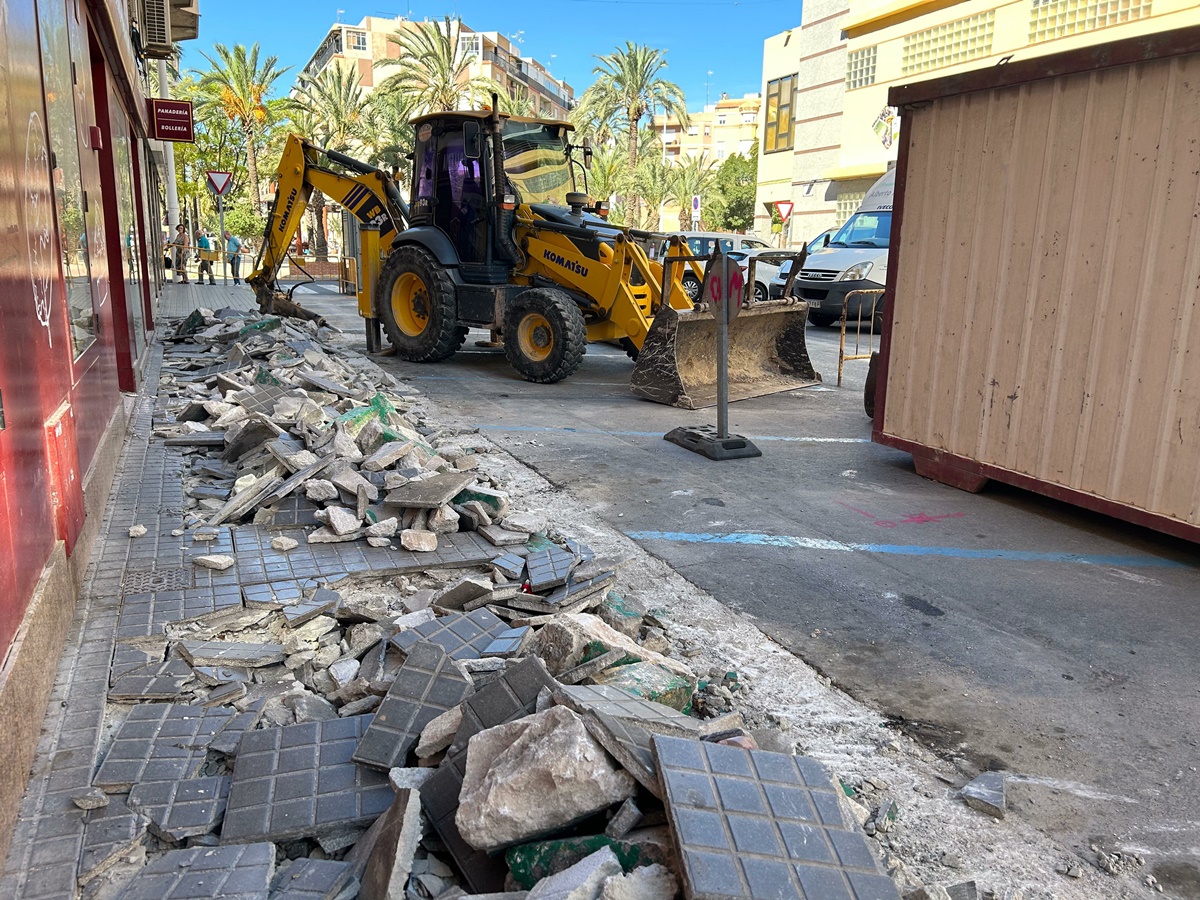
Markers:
point(171, 120)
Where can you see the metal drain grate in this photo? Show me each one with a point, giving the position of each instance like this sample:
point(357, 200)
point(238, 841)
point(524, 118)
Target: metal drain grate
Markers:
point(157, 580)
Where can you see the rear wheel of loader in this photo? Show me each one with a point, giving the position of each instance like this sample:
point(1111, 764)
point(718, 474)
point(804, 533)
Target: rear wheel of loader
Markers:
point(417, 303)
point(544, 335)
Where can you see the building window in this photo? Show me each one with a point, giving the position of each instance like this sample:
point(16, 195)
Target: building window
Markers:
point(749, 118)
point(847, 203)
point(950, 44)
point(778, 133)
point(707, 130)
point(720, 149)
point(669, 136)
point(356, 40)
point(470, 45)
point(1050, 19)
point(721, 119)
point(860, 68)
point(693, 130)
point(744, 147)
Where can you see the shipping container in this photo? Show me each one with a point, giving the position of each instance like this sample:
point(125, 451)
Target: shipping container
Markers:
point(1042, 326)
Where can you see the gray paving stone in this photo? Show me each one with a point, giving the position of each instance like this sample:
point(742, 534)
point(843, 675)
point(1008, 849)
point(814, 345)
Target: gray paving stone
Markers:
point(300, 781)
point(181, 809)
point(511, 696)
point(231, 653)
point(427, 685)
point(439, 798)
point(549, 568)
point(108, 833)
point(603, 698)
point(461, 635)
point(753, 824)
point(627, 743)
point(323, 601)
point(158, 681)
point(429, 493)
point(228, 739)
point(511, 565)
point(127, 657)
point(160, 742)
point(201, 873)
point(314, 879)
point(502, 537)
point(509, 642)
point(986, 793)
point(273, 595)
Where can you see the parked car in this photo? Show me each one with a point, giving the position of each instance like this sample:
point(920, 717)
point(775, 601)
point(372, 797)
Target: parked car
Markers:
point(702, 243)
point(765, 269)
point(775, 285)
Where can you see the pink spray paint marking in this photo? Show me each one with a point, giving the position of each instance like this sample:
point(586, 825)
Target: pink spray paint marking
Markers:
point(916, 519)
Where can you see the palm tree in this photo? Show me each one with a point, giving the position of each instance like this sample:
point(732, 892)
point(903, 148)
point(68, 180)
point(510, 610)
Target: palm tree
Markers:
point(333, 113)
point(236, 86)
point(628, 84)
point(388, 138)
point(654, 181)
point(433, 69)
point(692, 179)
point(605, 175)
point(516, 102)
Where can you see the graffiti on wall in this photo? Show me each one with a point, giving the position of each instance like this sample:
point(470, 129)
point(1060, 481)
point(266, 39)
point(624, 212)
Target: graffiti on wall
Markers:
point(39, 218)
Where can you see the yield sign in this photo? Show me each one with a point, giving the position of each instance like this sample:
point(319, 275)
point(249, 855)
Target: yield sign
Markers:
point(784, 208)
point(219, 182)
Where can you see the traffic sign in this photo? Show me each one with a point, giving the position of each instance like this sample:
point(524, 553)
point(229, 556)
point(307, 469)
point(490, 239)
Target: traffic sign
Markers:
point(784, 208)
point(219, 182)
point(695, 203)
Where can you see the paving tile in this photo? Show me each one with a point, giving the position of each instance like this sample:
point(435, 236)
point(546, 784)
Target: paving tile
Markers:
point(159, 742)
point(511, 696)
point(511, 565)
point(461, 635)
point(272, 595)
point(323, 601)
point(158, 681)
point(603, 698)
point(549, 568)
point(429, 493)
point(231, 653)
point(439, 798)
point(313, 879)
point(509, 642)
point(293, 511)
point(181, 809)
point(300, 781)
point(108, 833)
point(201, 873)
point(427, 685)
point(126, 658)
point(228, 739)
point(751, 824)
point(629, 744)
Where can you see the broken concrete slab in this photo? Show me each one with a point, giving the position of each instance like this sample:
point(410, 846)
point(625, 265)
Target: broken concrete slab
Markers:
point(239, 873)
point(158, 681)
point(547, 568)
point(391, 858)
point(341, 520)
point(387, 455)
point(231, 653)
point(418, 540)
point(109, 833)
point(512, 696)
point(582, 881)
point(645, 883)
point(323, 601)
point(509, 643)
point(299, 781)
point(314, 879)
point(320, 490)
point(461, 635)
point(454, 595)
point(627, 817)
point(429, 493)
point(502, 537)
point(409, 779)
point(308, 707)
point(629, 744)
point(748, 823)
point(593, 666)
point(987, 793)
point(275, 595)
point(438, 734)
point(181, 809)
point(650, 681)
point(533, 776)
point(216, 561)
point(426, 686)
point(497, 502)
point(160, 742)
point(563, 644)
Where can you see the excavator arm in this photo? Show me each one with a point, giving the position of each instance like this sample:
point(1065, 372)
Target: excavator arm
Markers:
point(370, 194)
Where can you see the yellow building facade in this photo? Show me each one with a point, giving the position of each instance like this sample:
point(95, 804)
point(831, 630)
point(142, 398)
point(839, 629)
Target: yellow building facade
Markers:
point(879, 44)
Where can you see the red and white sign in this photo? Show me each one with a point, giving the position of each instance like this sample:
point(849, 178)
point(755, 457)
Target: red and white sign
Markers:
point(171, 120)
point(784, 208)
point(219, 182)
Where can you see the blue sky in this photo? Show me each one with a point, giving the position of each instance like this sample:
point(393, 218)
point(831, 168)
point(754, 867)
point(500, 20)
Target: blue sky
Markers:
point(724, 36)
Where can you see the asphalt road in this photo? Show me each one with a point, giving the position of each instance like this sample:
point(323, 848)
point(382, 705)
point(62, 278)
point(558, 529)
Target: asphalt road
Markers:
point(1002, 628)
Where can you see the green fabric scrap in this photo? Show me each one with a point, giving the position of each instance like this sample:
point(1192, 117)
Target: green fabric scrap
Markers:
point(530, 863)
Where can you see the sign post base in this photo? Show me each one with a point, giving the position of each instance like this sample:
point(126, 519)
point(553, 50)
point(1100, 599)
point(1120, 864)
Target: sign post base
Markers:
point(705, 440)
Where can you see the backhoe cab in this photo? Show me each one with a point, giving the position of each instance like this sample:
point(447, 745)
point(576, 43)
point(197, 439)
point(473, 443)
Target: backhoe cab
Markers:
point(496, 235)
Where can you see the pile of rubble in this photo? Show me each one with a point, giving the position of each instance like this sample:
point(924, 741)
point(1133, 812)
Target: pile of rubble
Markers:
point(408, 690)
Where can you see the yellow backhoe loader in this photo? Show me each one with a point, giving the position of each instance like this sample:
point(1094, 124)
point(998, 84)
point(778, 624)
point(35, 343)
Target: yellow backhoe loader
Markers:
point(496, 236)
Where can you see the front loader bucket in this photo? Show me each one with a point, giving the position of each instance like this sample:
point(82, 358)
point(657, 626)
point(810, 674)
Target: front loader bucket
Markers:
point(767, 354)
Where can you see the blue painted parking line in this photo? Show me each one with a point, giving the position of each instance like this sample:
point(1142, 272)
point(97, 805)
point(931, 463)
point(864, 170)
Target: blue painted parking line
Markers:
point(542, 429)
point(803, 543)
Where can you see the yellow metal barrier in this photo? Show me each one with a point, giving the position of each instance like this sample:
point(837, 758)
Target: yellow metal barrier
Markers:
point(870, 335)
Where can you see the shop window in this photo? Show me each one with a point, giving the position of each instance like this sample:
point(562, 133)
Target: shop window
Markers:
point(860, 68)
point(1050, 19)
point(778, 132)
point(950, 44)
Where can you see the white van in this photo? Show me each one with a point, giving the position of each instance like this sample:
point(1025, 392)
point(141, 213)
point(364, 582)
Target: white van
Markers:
point(855, 259)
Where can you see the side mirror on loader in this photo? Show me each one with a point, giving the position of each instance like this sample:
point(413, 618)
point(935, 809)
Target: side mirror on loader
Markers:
point(587, 153)
point(472, 143)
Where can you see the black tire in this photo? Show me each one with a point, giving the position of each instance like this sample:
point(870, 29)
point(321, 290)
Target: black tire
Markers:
point(630, 348)
point(822, 320)
point(691, 286)
point(416, 301)
point(869, 389)
point(545, 336)
point(760, 292)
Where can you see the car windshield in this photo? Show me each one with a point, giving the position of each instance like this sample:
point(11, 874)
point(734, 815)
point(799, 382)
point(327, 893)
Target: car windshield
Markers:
point(536, 162)
point(754, 245)
point(864, 229)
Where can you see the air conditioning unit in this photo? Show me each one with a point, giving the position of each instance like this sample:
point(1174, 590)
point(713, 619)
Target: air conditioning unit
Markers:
point(156, 29)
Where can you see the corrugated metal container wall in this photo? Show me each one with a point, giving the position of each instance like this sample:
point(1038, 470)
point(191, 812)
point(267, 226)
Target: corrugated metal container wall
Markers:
point(1046, 285)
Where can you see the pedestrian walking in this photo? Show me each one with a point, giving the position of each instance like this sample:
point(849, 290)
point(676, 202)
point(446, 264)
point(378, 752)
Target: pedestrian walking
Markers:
point(233, 250)
point(205, 245)
point(179, 245)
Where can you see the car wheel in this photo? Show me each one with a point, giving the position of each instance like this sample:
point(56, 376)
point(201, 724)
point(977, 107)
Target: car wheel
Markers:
point(760, 292)
point(691, 286)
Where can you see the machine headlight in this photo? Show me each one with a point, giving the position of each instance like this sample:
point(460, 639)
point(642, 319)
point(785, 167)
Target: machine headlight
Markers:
point(856, 273)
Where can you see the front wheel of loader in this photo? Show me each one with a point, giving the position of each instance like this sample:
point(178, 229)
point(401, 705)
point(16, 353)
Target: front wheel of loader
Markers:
point(545, 336)
point(415, 298)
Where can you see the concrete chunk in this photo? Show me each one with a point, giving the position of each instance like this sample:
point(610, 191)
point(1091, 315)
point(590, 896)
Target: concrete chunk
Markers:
point(284, 544)
point(341, 520)
point(583, 881)
point(439, 733)
point(318, 489)
point(987, 794)
point(563, 643)
point(418, 541)
point(646, 883)
point(530, 776)
point(216, 562)
point(391, 859)
point(463, 590)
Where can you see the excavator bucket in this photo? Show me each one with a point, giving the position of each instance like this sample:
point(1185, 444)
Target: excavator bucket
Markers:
point(677, 364)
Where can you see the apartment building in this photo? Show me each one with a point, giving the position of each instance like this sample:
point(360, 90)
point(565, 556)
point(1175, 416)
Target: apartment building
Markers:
point(828, 132)
point(721, 129)
point(495, 57)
